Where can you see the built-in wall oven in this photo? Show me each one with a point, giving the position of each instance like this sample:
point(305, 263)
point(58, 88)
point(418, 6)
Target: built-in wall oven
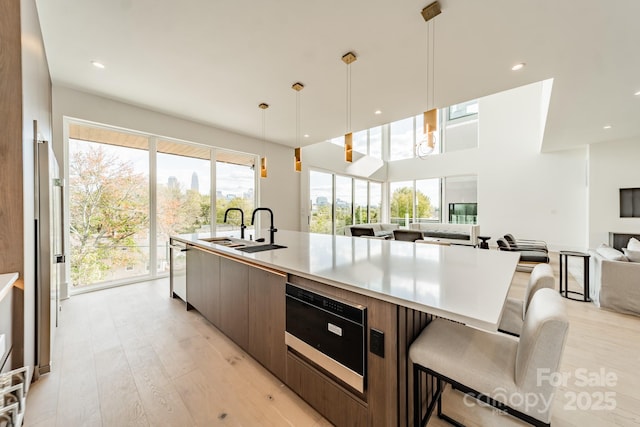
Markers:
point(329, 333)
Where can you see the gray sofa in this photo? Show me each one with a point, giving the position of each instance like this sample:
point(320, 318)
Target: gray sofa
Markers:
point(614, 281)
point(456, 234)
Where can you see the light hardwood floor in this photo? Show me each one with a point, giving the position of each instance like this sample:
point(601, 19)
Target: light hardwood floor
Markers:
point(133, 356)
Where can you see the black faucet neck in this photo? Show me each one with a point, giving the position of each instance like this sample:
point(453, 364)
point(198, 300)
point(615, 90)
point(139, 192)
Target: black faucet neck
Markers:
point(272, 229)
point(242, 226)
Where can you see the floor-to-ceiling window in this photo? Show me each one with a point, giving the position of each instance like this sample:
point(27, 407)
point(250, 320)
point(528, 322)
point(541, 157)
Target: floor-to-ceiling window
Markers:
point(183, 193)
point(401, 202)
point(415, 201)
point(339, 201)
point(321, 203)
point(235, 188)
point(375, 201)
point(427, 193)
point(360, 199)
point(128, 192)
point(344, 203)
point(109, 211)
point(418, 200)
point(402, 139)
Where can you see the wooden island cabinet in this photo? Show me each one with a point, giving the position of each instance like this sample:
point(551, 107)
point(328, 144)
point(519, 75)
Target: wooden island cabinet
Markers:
point(203, 283)
point(267, 319)
point(245, 302)
point(234, 301)
point(401, 285)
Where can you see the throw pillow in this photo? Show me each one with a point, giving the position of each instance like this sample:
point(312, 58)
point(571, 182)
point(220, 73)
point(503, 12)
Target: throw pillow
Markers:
point(633, 256)
point(634, 244)
point(611, 253)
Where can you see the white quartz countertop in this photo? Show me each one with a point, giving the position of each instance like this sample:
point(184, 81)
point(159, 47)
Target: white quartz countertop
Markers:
point(6, 282)
point(460, 283)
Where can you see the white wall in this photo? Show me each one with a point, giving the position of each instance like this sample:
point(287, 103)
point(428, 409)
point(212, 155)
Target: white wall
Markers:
point(328, 156)
point(280, 191)
point(612, 166)
point(520, 190)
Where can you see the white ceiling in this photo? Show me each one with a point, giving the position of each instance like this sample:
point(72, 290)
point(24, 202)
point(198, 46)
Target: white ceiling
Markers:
point(214, 61)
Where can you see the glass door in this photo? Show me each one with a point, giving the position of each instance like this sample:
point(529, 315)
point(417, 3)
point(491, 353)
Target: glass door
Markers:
point(183, 194)
point(321, 195)
point(344, 203)
point(109, 206)
point(235, 189)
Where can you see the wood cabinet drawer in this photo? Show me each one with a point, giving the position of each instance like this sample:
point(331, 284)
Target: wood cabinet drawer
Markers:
point(333, 402)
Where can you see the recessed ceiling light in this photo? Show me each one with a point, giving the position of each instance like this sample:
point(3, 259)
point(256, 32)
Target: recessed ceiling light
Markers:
point(306, 135)
point(377, 112)
point(637, 93)
point(97, 64)
point(606, 127)
point(517, 67)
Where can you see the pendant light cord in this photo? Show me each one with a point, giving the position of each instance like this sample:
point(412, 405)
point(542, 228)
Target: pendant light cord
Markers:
point(298, 118)
point(431, 66)
point(348, 98)
point(264, 143)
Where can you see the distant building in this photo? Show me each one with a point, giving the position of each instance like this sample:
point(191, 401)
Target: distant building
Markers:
point(322, 201)
point(194, 182)
point(172, 182)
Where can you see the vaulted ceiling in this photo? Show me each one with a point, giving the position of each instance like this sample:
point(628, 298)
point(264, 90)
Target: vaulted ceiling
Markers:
point(214, 61)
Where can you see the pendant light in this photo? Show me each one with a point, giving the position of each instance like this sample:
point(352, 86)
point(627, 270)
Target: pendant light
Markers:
point(297, 155)
point(263, 159)
point(348, 58)
point(427, 144)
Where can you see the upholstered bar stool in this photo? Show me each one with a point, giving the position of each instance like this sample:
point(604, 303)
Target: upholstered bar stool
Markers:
point(407, 235)
point(496, 369)
point(515, 309)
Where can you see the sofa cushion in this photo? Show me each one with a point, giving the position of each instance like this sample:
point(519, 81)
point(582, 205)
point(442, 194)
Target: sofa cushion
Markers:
point(610, 253)
point(634, 244)
point(445, 234)
point(633, 256)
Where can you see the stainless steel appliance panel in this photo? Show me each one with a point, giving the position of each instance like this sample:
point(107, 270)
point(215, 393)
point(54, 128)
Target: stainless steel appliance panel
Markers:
point(329, 332)
point(50, 250)
point(178, 269)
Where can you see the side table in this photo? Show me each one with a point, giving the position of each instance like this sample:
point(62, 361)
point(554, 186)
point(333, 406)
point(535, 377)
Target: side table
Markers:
point(564, 275)
point(483, 244)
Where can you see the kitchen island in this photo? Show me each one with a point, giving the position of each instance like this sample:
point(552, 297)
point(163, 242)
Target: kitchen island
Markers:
point(402, 286)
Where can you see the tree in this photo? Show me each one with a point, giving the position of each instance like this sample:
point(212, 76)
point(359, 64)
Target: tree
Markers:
point(181, 211)
point(109, 210)
point(402, 204)
point(233, 218)
point(321, 219)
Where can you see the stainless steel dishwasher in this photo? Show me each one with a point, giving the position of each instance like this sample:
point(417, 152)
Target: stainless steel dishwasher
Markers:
point(178, 269)
point(329, 333)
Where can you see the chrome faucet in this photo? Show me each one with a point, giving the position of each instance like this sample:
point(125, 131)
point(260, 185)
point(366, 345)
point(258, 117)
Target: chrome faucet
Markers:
point(272, 229)
point(242, 226)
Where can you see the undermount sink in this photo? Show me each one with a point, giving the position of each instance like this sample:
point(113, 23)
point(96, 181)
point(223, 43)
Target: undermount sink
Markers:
point(248, 246)
point(260, 248)
point(229, 242)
